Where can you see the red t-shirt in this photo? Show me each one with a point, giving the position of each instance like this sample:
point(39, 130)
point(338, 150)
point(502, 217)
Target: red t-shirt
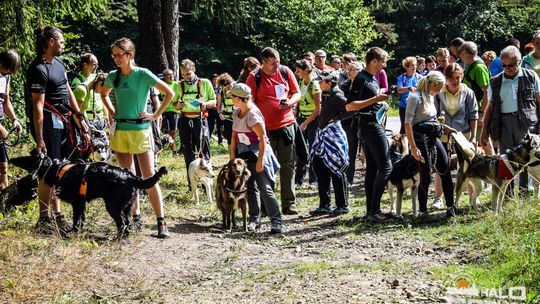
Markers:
point(267, 99)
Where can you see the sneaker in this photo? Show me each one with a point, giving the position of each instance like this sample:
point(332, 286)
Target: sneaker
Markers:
point(451, 212)
point(252, 226)
point(291, 210)
point(61, 223)
point(276, 228)
point(438, 203)
point(44, 226)
point(378, 218)
point(319, 211)
point(339, 211)
point(137, 224)
point(163, 232)
point(422, 216)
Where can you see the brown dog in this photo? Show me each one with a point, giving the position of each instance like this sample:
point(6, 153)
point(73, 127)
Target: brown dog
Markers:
point(231, 192)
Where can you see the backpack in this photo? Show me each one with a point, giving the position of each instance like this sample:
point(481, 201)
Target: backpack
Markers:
point(281, 70)
point(474, 86)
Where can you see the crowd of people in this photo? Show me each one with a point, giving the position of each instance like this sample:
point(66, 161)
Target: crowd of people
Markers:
point(314, 121)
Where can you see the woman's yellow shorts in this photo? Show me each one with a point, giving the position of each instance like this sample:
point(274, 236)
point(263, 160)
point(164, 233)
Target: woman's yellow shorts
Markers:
point(132, 141)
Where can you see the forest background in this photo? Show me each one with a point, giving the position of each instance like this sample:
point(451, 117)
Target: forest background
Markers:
point(217, 34)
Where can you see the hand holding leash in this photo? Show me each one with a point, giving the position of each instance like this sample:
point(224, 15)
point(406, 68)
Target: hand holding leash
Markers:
point(17, 127)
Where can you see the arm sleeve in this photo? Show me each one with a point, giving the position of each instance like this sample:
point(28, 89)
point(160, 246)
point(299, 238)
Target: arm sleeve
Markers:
point(410, 111)
point(254, 117)
point(471, 104)
point(37, 80)
point(149, 78)
point(109, 80)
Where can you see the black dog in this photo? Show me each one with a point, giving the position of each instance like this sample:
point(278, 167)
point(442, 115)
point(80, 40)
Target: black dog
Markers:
point(82, 182)
point(21, 192)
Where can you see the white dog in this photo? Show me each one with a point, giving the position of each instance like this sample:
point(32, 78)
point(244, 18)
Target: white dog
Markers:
point(200, 172)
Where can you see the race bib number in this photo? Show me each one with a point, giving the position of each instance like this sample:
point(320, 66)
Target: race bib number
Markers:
point(242, 138)
point(514, 91)
point(280, 91)
point(57, 122)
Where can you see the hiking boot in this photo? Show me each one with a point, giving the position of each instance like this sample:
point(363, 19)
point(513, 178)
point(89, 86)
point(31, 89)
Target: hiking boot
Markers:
point(137, 224)
point(339, 211)
point(378, 218)
point(438, 203)
point(319, 211)
point(61, 223)
point(45, 226)
point(291, 210)
point(163, 232)
point(276, 228)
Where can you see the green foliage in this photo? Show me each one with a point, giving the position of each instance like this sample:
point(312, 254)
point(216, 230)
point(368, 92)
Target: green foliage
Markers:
point(296, 26)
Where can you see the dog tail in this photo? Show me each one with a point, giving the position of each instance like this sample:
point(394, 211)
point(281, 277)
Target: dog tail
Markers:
point(151, 181)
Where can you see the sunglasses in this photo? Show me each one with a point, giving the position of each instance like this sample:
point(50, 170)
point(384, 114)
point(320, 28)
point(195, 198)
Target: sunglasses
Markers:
point(513, 65)
point(118, 55)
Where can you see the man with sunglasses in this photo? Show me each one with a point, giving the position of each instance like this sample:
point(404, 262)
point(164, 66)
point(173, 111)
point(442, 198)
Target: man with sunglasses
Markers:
point(514, 101)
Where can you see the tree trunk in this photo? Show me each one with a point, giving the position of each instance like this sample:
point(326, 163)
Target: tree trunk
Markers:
point(171, 32)
point(152, 44)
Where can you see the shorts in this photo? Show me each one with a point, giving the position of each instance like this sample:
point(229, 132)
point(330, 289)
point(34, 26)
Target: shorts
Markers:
point(53, 139)
point(170, 121)
point(132, 141)
point(3, 153)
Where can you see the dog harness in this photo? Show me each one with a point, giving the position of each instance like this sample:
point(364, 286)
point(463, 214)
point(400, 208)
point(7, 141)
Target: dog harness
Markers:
point(84, 185)
point(505, 171)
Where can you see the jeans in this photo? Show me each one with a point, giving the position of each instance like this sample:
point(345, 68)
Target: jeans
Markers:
point(378, 164)
point(442, 168)
point(260, 186)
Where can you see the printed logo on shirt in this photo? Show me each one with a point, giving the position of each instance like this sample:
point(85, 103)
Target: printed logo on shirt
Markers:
point(36, 86)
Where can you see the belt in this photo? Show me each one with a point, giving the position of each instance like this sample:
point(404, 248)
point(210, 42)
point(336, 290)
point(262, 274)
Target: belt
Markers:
point(133, 121)
point(511, 113)
point(192, 114)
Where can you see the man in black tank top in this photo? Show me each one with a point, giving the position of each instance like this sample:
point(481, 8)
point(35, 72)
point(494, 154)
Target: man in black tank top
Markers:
point(49, 96)
point(378, 164)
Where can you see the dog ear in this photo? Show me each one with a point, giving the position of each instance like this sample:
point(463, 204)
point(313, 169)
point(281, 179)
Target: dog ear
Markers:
point(246, 173)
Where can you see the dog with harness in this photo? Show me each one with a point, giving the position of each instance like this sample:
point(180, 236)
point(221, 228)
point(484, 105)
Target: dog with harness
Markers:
point(496, 170)
point(231, 192)
point(79, 183)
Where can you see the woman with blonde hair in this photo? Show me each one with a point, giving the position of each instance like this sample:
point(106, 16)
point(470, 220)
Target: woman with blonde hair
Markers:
point(406, 84)
point(423, 131)
point(132, 132)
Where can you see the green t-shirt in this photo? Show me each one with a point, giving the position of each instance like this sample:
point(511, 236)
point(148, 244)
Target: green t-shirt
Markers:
point(91, 101)
point(175, 86)
point(131, 96)
point(480, 75)
point(190, 94)
point(308, 90)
